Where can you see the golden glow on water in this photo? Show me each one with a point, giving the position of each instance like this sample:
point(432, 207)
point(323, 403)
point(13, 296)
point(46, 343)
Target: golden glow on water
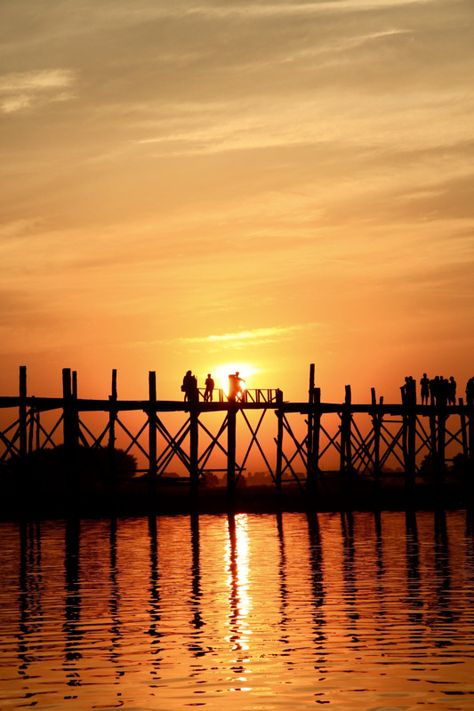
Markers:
point(239, 612)
point(237, 564)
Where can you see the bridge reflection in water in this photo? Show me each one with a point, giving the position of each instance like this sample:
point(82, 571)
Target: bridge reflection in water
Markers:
point(340, 608)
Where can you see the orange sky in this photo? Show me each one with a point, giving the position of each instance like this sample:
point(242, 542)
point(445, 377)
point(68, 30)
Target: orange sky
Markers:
point(191, 184)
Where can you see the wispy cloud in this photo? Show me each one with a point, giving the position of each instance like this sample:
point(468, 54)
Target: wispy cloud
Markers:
point(255, 335)
point(21, 90)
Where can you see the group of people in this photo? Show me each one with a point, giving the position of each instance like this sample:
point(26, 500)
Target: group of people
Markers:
point(191, 390)
point(437, 391)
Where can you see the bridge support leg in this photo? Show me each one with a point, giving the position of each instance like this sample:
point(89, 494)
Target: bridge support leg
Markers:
point(112, 423)
point(346, 447)
point(152, 423)
point(231, 449)
point(310, 423)
point(441, 458)
point(22, 414)
point(470, 419)
point(193, 447)
point(376, 426)
point(279, 442)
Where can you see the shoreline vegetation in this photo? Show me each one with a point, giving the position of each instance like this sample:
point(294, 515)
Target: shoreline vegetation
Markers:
point(97, 482)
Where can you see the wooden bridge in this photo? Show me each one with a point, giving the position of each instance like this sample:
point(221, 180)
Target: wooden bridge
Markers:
point(362, 439)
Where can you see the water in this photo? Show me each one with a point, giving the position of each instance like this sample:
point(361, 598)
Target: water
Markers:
point(252, 612)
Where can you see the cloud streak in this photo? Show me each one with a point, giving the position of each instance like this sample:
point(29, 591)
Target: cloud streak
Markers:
point(21, 90)
point(256, 335)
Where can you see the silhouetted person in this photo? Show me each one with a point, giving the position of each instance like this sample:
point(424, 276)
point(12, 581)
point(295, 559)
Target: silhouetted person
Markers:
point(209, 388)
point(452, 391)
point(443, 395)
point(409, 390)
point(470, 391)
point(425, 389)
point(235, 386)
point(190, 387)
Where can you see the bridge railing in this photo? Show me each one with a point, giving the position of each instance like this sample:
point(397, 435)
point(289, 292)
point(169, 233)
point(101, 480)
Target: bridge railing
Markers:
point(255, 395)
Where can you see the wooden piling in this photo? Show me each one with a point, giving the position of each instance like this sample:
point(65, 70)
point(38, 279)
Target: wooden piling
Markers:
point(194, 445)
point(70, 415)
point(411, 436)
point(279, 441)
point(316, 431)
point(462, 417)
point(345, 439)
point(231, 447)
point(376, 426)
point(31, 428)
point(441, 458)
point(152, 424)
point(22, 412)
point(433, 439)
point(112, 423)
point(470, 426)
point(310, 423)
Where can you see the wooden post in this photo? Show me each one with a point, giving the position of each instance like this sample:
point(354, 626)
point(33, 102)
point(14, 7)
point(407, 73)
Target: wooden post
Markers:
point(31, 427)
point(346, 446)
point(462, 416)
point(23, 415)
point(152, 422)
point(38, 430)
point(470, 420)
point(112, 422)
point(316, 433)
point(376, 430)
point(70, 422)
point(441, 458)
point(194, 445)
point(309, 436)
point(411, 434)
point(74, 384)
point(433, 439)
point(231, 447)
point(279, 441)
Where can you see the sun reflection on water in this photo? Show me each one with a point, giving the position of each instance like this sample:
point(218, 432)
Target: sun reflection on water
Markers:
point(240, 602)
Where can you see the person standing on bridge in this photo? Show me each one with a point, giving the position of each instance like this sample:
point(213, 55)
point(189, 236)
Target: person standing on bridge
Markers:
point(470, 391)
point(235, 386)
point(425, 389)
point(209, 388)
point(190, 387)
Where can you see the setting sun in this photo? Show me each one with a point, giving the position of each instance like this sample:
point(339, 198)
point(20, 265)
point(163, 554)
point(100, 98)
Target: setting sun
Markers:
point(246, 372)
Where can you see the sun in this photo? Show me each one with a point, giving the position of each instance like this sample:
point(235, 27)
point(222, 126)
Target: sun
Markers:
point(246, 372)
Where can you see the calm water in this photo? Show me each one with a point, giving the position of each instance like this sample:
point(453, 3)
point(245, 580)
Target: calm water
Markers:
point(252, 612)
